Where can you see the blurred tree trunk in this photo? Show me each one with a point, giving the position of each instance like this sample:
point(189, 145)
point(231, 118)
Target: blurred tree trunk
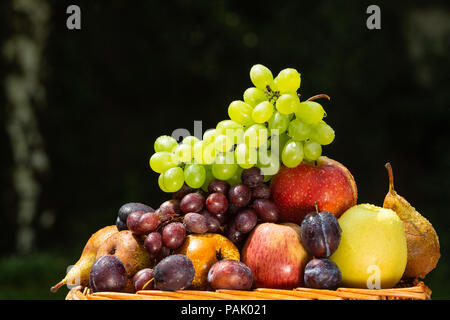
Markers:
point(24, 92)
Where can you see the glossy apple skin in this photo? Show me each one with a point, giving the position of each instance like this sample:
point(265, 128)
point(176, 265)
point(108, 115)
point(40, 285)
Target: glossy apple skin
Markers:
point(275, 255)
point(295, 190)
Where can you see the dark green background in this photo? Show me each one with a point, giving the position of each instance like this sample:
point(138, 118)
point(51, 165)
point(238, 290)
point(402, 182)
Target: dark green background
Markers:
point(140, 69)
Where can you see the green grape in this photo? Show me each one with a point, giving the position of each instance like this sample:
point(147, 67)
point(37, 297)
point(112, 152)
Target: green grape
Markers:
point(292, 154)
point(322, 133)
point(210, 135)
point(288, 80)
point(209, 153)
point(225, 125)
point(162, 161)
point(310, 112)
point(165, 143)
point(279, 122)
point(161, 182)
point(312, 150)
point(224, 166)
point(173, 179)
point(261, 76)
point(236, 178)
point(198, 149)
point(282, 139)
point(190, 140)
point(255, 135)
point(262, 112)
point(253, 96)
point(269, 165)
point(234, 136)
point(298, 130)
point(245, 157)
point(223, 143)
point(208, 178)
point(183, 153)
point(194, 175)
point(240, 112)
point(288, 103)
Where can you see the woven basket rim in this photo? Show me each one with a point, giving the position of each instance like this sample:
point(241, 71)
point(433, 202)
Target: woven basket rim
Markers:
point(416, 291)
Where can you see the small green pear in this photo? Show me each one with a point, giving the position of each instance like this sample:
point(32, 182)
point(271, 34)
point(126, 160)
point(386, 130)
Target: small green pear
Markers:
point(79, 273)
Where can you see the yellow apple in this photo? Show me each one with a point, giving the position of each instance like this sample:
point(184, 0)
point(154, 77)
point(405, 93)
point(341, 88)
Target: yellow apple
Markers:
point(372, 252)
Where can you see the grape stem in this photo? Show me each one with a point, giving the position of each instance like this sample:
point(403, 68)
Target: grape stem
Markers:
point(272, 95)
point(319, 96)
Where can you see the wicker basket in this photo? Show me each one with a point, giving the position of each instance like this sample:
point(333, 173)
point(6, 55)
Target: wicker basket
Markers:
point(415, 291)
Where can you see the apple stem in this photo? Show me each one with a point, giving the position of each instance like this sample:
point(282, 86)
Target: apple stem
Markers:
point(317, 207)
point(319, 96)
point(391, 176)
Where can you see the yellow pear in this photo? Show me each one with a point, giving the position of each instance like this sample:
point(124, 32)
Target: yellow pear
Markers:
point(79, 273)
point(372, 251)
point(129, 248)
point(421, 238)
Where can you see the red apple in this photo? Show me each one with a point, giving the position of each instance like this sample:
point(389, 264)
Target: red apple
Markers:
point(329, 183)
point(275, 255)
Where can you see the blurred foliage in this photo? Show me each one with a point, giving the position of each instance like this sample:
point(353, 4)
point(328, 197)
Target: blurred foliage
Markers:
point(137, 71)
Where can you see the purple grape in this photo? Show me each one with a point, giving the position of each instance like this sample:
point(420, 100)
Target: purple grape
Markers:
point(195, 222)
point(201, 192)
point(218, 186)
point(133, 221)
point(322, 274)
point(320, 233)
point(164, 252)
point(149, 222)
point(128, 208)
point(140, 222)
point(173, 235)
point(185, 189)
point(261, 192)
point(252, 177)
point(230, 274)
point(172, 205)
point(168, 209)
point(222, 217)
point(266, 210)
point(240, 195)
point(192, 202)
point(211, 220)
point(153, 243)
point(245, 220)
point(235, 235)
point(141, 278)
point(174, 272)
point(232, 209)
point(217, 203)
point(108, 274)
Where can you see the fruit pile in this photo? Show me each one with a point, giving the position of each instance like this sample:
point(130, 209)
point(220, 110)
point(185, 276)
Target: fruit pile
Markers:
point(238, 219)
point(270, 124)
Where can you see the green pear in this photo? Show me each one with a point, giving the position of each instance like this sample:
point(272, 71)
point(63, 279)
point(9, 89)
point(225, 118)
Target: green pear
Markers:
point(79, 273)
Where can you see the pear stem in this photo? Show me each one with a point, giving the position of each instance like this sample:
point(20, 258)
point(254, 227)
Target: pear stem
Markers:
point(58, 285)
point(391, 176)
point(319, 96)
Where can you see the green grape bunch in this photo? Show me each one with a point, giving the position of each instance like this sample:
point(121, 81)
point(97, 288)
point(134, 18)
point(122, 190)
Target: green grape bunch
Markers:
point(270, 126)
